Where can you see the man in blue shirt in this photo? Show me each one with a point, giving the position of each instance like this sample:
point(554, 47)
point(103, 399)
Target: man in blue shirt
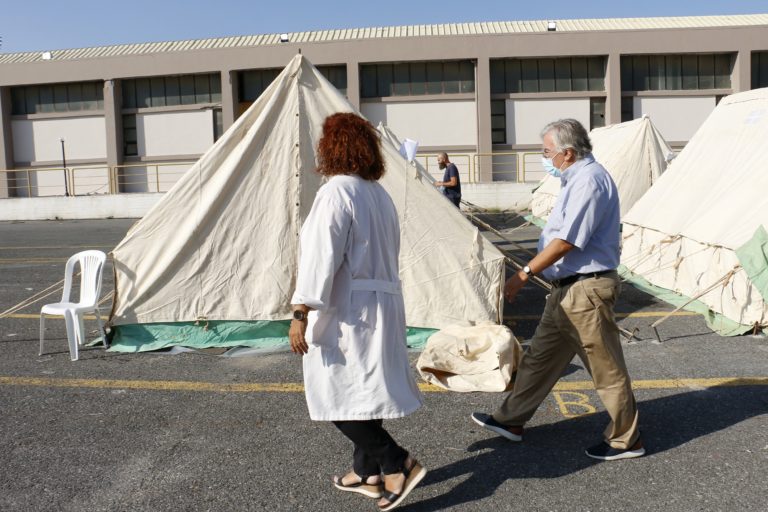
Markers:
point(451, 182)
point(578, 253)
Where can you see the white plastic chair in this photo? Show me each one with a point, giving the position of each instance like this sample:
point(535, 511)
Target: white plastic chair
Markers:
point(91, 266)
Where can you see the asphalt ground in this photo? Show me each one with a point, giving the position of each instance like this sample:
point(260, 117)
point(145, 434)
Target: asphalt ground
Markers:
point(195, 431)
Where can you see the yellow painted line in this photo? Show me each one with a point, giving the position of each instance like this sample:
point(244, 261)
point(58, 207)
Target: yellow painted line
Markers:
point(295, 387)
point(155, 385)
point(637, 314)
point(717, 382)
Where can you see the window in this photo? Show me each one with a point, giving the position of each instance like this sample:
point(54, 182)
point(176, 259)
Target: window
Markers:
point(597, 113)
point(416, 78)
point(130, 135)
point(218, 123)
point(171, 91)
point(498, 122)
point(252, 83)
point(546, 75)
point(44, 99)
point(511, 76)
point(759, 70)
point(627, 108)
point(676, 72)
point(337, 75)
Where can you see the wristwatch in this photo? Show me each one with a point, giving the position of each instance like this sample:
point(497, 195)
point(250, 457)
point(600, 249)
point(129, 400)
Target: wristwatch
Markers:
point(527, 271)
point(299, 315)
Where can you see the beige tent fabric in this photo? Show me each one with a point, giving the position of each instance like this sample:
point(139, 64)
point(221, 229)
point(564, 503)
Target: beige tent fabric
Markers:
point(222, 243)
point(683, 232)
point(470, 358)
point(634, 153)
point(438, 241)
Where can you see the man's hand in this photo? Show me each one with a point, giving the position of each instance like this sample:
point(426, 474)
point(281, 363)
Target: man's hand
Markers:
point(555, 250)
point(296, 336)
point(514, 284)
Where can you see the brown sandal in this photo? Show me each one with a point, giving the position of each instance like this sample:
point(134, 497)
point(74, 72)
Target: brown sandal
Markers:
point(413, 476)
point(361, 487)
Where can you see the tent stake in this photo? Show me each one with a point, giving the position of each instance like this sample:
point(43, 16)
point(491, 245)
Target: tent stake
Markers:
point(656, 332)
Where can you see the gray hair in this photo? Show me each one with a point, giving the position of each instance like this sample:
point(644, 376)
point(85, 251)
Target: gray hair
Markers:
point(569, 134)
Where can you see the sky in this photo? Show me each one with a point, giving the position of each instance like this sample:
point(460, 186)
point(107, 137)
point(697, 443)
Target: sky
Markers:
point(54, 25)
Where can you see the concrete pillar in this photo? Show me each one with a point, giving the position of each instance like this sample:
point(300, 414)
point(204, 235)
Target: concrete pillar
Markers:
point(229, 99)
point(484, 162)
point(613, 89)
point(353, 84)
point(6, 139)
point(113, 121)
point(741, 79)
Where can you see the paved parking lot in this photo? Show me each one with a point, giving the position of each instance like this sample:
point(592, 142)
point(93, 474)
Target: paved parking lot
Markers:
point(196, 431)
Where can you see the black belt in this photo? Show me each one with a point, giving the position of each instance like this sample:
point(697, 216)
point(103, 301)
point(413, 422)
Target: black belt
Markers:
point(565, 281)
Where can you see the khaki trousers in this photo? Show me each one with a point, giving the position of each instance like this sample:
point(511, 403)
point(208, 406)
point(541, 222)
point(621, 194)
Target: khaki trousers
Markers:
point(577, 319)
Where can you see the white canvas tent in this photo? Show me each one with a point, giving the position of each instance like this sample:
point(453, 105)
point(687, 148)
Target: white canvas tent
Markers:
point(222, 245)
point(699, 231)
point(634, 153)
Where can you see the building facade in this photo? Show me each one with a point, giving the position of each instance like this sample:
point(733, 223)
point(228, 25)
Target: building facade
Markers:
point(130, 118)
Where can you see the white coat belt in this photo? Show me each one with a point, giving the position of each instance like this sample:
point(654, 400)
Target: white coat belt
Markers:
point(376, 285)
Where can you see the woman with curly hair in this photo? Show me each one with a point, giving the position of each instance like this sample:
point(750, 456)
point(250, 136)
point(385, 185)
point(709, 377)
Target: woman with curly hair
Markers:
point(349, 315)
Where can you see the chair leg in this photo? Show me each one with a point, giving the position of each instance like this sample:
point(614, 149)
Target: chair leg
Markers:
point(71, 335)
point(42, 332)
point(101, 329)
point(79, 328)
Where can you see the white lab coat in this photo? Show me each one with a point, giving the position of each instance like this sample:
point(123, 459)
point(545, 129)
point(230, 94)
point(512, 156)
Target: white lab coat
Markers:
point(357, 365)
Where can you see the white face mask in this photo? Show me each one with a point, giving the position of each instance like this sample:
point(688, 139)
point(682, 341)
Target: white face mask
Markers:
point(550, 167)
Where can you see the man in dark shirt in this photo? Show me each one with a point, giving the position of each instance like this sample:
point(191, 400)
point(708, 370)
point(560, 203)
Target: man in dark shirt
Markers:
point(451, 183)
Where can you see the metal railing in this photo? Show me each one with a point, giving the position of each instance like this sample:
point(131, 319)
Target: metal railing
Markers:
point(504, 166)
point(463, 162)
point(509, 166)
point(91, 179)
point(148, 176)
point(43, 181)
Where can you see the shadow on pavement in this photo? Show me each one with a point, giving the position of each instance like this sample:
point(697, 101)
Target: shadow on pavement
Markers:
point(555, 450)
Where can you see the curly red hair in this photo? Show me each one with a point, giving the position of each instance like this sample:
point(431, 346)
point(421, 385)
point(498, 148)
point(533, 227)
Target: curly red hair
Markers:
point(350, 145)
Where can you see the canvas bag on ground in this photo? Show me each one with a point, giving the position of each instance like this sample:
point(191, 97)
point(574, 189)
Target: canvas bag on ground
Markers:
point(470, 358)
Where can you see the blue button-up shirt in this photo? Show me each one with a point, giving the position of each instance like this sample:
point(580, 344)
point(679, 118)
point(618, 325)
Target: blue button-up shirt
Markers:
point(587, 215)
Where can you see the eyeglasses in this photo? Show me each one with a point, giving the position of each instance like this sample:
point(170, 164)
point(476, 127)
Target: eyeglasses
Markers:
point(549, 152)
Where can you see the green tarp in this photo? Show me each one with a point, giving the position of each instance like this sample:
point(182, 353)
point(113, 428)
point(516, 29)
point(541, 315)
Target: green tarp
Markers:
point(717, 322)
point(266, 335)
point(536, 221)
point(753, 256)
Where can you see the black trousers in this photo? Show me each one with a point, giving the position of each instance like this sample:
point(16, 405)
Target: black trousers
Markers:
point(375, 450)
point(456, 200)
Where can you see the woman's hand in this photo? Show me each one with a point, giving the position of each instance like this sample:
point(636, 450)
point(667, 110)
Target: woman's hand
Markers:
point(296, 336)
